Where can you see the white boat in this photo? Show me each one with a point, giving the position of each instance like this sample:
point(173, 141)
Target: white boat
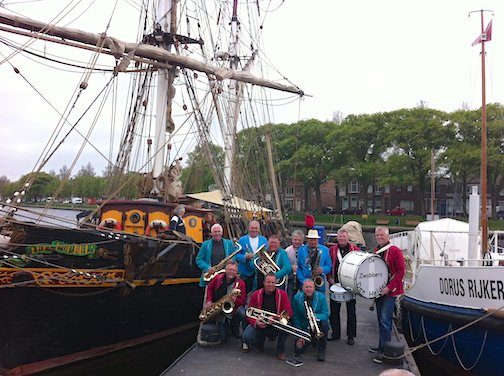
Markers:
point(453, 304)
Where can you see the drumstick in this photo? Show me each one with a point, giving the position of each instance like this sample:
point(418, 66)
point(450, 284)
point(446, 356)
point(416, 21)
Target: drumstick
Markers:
point(372, 305)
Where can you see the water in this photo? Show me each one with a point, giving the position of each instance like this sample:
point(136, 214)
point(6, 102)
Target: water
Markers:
point(55, 216)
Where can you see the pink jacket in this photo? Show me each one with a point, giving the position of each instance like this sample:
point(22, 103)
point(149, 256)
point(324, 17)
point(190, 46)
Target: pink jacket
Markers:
point(395, 260)
point(216, 282)
point(282, 302)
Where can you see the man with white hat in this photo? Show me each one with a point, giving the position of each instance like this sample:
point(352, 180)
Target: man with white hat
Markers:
point(309, 255)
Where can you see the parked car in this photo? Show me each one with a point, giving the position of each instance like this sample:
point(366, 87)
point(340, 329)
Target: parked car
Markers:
point(397, 211)
point(352, 210)
point(328, 210)
point(500, 214)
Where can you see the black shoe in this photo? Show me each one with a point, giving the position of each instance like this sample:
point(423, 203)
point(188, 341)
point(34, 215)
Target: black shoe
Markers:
point(321, 357)
point(333, 338)
point(350, 341)
point(378, 359)
point(373, 350)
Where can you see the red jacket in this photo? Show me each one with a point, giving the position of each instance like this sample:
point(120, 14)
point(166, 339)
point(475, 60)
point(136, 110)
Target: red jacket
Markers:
point(309, 220)
point(282, 302)
point(395, 260)
point(216, 282)
point(333, 252)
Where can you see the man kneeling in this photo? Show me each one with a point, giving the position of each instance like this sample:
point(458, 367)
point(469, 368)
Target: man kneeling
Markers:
point(317, 301)
point(270, 299)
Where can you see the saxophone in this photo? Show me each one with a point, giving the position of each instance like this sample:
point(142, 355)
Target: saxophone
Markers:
point(224, 304)
point(219, 268)
point(318, 280)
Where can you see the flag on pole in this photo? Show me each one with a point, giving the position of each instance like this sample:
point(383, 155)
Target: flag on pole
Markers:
point(488, 33)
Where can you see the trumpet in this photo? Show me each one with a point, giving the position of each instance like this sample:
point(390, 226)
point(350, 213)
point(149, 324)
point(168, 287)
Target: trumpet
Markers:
point(219, 268)
point(312, 320)
point(224, 304)
point(318, 280)
point(278, 321)
point(265, 264)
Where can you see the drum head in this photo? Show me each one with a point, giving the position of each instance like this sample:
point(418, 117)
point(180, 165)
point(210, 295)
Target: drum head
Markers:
point(363, 273)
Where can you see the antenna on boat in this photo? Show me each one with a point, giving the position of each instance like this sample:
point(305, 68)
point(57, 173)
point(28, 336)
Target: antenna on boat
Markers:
point(486, 36)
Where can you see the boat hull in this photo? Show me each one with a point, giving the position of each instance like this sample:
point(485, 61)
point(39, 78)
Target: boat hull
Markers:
point(474, 350)
point(79, 294)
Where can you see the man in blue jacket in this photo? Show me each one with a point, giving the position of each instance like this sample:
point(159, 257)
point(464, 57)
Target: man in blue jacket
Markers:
point(281, 259)
point(318, 303)
point(250, 244)
point(213, 251)
point(307, 257)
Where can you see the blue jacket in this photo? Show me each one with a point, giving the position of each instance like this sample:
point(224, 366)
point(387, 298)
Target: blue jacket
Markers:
point(204, 256)
point(304, 271)
point(245, 267)
point(319, 307)
point(282, 260)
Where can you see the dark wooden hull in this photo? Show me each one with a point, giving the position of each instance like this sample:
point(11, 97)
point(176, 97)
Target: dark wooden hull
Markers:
point(53, 313)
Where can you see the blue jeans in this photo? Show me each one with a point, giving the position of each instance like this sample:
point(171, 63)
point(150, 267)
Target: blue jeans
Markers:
point(292, 289)
point(238, 317)
point(322, 342)
point(256, 336)
point(384, 310)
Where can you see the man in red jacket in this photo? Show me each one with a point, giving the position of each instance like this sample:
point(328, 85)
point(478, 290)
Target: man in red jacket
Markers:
point(272, 300)
point(385, 304)
point(220, 286)
point(309, 221)
point(337, 252)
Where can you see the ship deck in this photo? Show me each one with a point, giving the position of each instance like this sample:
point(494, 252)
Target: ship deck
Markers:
point(341, 359)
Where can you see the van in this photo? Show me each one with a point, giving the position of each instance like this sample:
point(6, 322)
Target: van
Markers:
point(76, 200)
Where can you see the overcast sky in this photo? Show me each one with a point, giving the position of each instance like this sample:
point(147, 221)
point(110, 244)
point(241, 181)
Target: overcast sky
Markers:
point(350, 56)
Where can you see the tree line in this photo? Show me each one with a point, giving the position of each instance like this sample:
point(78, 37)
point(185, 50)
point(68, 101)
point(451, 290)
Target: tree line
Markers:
point(386, 148)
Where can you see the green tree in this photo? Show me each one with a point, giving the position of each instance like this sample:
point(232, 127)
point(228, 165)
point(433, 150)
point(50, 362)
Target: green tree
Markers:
point(411, 134)
point(463, 153)
point(197, 175)
point(495, 153)
point(313, 158)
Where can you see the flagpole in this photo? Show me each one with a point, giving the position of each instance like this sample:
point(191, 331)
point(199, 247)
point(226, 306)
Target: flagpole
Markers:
point(484, 216)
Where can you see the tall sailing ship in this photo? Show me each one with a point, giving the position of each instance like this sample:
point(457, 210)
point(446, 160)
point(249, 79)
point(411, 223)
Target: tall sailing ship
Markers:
point(108, 282)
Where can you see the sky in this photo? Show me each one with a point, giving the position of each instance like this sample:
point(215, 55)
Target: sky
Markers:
point(356, 57)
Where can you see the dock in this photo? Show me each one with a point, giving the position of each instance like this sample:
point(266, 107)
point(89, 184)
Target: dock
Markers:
point(341, 358)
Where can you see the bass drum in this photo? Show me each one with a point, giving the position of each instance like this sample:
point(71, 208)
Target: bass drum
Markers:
point(363, 273)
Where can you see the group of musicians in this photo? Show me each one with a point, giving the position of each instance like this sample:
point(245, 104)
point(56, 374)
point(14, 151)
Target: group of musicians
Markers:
point(271, 277)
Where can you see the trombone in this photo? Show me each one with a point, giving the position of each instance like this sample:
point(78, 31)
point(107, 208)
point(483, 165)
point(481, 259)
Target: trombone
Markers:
point(265, 264)
point(312, 320)
point(277, 321)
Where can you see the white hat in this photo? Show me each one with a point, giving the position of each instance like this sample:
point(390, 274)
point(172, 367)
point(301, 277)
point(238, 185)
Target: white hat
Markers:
point(312, 234)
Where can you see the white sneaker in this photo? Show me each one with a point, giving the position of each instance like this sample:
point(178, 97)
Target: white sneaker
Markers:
point(245, 347)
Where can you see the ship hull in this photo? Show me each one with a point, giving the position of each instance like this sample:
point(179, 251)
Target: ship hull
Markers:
point(85, 293)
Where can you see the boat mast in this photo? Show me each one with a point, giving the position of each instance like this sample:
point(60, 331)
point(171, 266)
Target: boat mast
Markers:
point(484, 217)
point(233, 111)
point(166, 22)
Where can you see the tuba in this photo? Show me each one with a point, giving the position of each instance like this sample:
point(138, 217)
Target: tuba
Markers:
point(219, 268)
point(224, 304)
point(318, 280)
point(278, 321)
point(312, 320)
point(265, 264)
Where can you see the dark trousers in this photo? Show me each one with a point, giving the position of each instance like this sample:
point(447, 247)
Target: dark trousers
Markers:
point(253, 336)
point(322, 342)
point(225, 323)
point(351, 318)
point(249, 282)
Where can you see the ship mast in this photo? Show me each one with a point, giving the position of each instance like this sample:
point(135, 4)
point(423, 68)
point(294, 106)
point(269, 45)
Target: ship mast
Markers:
point(166, 22)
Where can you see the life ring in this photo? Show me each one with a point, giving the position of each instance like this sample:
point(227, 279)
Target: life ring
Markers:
point(108, 223)
point(156, 223)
